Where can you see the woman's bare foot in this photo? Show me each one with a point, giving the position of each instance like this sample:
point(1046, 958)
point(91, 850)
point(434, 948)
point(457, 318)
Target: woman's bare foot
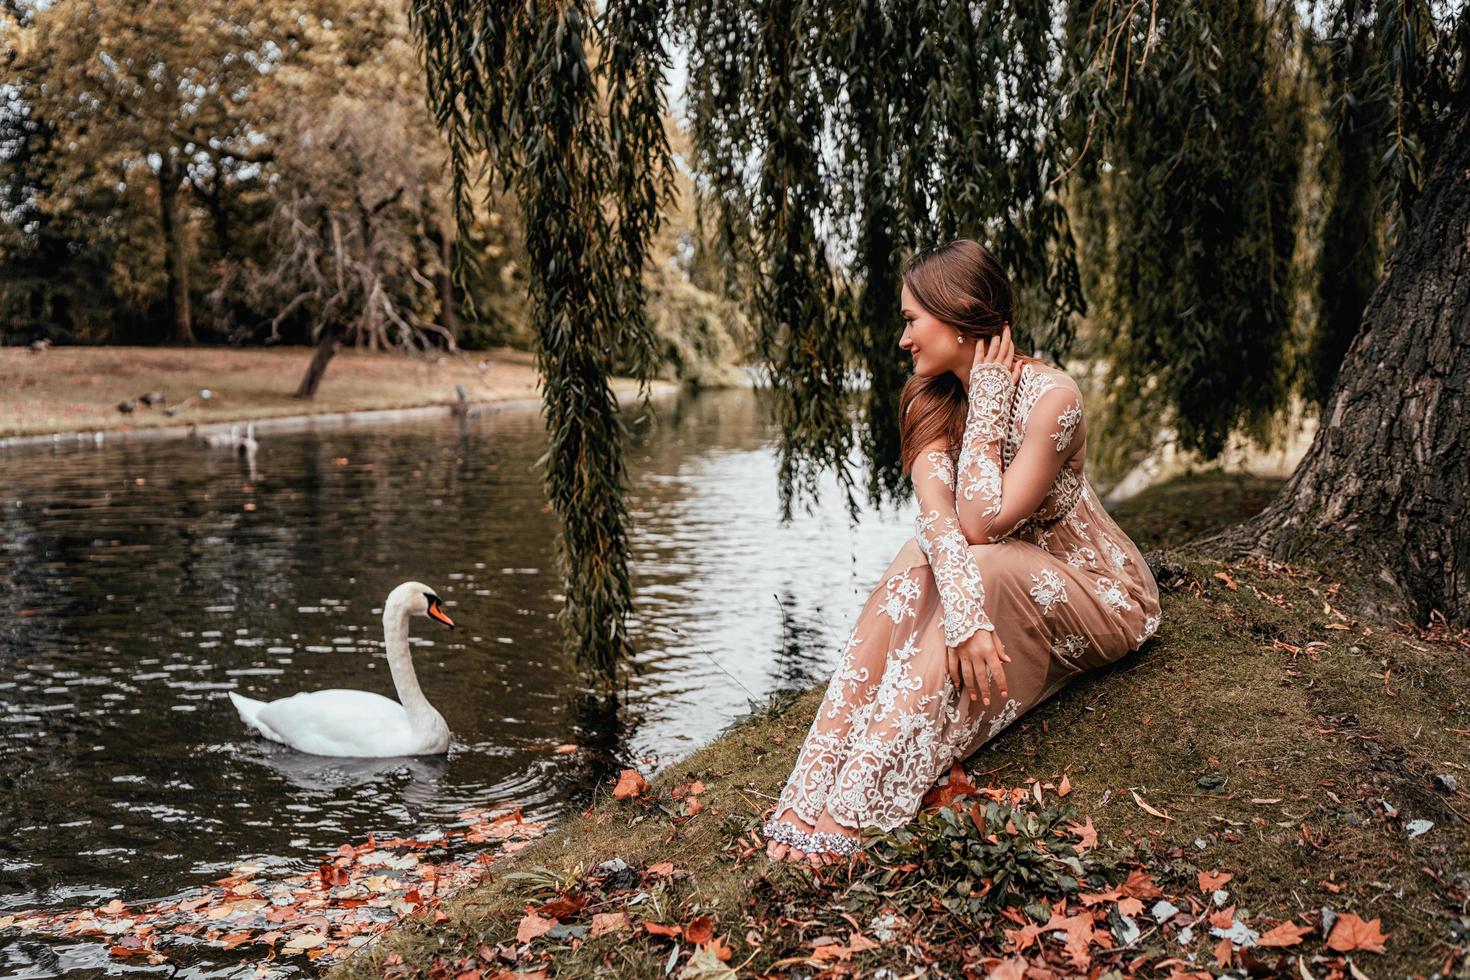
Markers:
point(839, 842)
point(787, 850)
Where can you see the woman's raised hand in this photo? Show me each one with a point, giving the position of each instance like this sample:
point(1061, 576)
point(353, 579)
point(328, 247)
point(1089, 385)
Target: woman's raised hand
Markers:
point(975, 662)
point(1000, 349)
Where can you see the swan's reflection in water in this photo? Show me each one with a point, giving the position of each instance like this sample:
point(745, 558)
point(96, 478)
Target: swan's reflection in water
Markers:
point(415, 780)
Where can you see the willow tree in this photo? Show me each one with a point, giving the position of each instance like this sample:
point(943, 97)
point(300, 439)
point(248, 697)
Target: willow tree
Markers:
point(565, 106)
point(832, 137)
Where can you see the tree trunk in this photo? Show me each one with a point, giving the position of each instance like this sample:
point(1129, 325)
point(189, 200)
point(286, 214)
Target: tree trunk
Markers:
point(326, 347)
point(175, 259)
point(1383, 491)
point(448, 317)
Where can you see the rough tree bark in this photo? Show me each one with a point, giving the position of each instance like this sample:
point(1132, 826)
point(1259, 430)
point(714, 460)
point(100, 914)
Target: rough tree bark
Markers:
point(175, 257)
point(1383, 492)
point(326, 349)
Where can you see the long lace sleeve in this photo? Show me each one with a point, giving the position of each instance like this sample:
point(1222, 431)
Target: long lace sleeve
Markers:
point(961, 592)
point(991, 500)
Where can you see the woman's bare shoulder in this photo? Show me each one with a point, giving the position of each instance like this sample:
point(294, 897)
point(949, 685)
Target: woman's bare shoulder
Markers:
point(1056, 375)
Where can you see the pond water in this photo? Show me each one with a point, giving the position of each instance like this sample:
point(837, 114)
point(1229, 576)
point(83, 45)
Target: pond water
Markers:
point(141, 582)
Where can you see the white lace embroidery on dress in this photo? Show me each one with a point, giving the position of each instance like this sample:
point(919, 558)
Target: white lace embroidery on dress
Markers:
point(1112, 593)
point(1005, 717)
point(1050, 590)
point(942, 467)
point(1150, 627)
point(902, 590)
point(961, 591)
point(1080, 554)
point(1071, 646)
point(979, 470)
point(1068, 421)
point(1033, 384)
point(1115, 554)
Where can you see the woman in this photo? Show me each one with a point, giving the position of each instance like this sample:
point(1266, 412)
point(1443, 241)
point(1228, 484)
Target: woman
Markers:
point(1016, 581)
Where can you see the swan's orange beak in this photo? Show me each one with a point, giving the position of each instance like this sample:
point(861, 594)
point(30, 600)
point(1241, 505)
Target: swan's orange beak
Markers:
point(437, 611)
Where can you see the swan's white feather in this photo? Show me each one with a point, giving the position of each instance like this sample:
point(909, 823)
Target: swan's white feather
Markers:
point(344, 722)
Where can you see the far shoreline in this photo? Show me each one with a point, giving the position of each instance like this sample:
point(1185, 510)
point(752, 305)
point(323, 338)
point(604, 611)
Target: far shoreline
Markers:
point(69, 396)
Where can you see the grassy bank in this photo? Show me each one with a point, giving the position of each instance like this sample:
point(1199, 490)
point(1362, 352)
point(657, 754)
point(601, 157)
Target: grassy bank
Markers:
point(78, 389)
point(1269, 766)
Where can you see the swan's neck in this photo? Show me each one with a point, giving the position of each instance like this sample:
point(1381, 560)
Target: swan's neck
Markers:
point(400, 663)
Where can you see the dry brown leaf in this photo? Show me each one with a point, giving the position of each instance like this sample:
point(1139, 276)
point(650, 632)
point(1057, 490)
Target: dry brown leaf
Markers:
point(1065, 786)
point(1213, 881)
point(630, 784)
point(700, 930)
point(532, 926)
point(606, 922)
point(1229, 582)
point(1351, 933)
point(1143, 805)
point(662, 869)
point(1285, 934)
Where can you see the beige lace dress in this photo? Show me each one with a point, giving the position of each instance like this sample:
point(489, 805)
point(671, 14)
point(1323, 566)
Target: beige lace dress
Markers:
point(1049, 571)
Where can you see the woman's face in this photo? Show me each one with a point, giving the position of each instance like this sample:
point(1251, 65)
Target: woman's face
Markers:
point(930, 342)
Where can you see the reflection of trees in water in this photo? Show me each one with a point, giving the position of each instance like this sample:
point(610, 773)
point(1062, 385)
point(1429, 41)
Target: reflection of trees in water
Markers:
point(801, 656)
point(601, 723)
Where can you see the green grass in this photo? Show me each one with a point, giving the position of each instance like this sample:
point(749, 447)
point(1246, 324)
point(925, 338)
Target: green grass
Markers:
point(1268, 738)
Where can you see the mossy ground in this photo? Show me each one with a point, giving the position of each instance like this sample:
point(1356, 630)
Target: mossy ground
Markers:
point(1288, 744)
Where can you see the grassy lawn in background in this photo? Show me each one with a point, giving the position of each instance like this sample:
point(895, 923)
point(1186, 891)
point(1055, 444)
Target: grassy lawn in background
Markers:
point(77, 389)
point(1271, 767)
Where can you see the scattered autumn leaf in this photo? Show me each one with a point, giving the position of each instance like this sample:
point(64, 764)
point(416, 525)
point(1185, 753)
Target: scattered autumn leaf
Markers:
point(1351, 933)
point(630, 784)
point(606, 922)
point(532, 926)
point(1285, 934)
point(1213, 881)
point(699, 930)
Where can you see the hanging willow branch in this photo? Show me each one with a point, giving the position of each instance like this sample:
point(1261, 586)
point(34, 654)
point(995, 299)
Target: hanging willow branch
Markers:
point(874, 128)
point(583, 146)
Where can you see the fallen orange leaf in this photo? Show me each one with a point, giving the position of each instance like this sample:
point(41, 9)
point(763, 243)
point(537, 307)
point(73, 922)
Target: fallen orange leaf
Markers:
point(1212, 881)
point(630, 784)
point(532, 926)
point(1065, 786)
point(1285, 934)
point(700, 930)
point(1351, 933)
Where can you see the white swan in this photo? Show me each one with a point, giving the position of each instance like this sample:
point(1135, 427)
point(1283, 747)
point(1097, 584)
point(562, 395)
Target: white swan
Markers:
point(360, 724)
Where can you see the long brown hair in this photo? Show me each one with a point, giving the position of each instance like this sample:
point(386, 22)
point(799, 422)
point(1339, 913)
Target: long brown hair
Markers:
point(963, 285)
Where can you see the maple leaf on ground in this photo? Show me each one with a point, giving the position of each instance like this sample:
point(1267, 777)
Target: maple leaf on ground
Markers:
point(1139, 885)
point(1224, 953)
point(662, 869)
point(1129, 906)
point(959, 785)
point(1212, 881)
point(721, 951)
point(1086, 835)
point(1079, 935)
point(1022, 938)
point(1351, 933)
point(606, 922)
point(532, 926)
point(1065, 787)
point(1286, 934)
point(630, 784)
